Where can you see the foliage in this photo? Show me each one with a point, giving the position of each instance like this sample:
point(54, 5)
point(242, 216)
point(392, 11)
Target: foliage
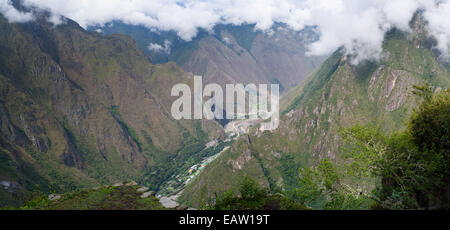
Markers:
point(250, 190)
point(130, 131)
point(323, 74)
point(430, 123)
point(253, 197)
point(164, 170)
point(104, 198)
point(289, 171)
point(413, 164)
point(191, 153)
point(323, 187)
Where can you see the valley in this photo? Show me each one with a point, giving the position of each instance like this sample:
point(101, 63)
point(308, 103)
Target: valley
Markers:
point(336, 96)
point(176, 184)
point(358, 108)
point(232, 54)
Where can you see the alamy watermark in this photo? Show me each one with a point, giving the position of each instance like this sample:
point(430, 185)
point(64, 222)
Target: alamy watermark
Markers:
point(234, 105)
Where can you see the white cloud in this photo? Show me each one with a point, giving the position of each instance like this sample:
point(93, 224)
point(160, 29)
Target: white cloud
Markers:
point(160, 48)
point(439, 19)
point(227, 40)
point(358, 25)
point(12, 14)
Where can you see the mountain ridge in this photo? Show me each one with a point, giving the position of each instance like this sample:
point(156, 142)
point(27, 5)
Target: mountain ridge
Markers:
point(231, 54)
point(79, 109)
point(336, 95)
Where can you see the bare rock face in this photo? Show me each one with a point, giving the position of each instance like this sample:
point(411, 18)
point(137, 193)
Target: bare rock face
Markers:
point(54, 197)
point(132, 183)
point(118, 184)
point(400, 95)
point(242, 160)
point(276, 154)
point(374, 79)
point(142, 189)
point(5, 184)
point(391, 82)
point(147, 194)
point(168, 203)
point(182, 207)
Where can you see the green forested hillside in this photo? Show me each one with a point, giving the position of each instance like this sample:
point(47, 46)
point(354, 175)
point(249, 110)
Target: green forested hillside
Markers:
point(78, 109)
point(337, 95)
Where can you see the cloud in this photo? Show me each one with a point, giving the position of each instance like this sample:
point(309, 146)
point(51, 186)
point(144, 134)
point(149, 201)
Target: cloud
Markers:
point(227, 40)
point(12, 14)
point(160, 48)
point(358, 25)
point(439, 26)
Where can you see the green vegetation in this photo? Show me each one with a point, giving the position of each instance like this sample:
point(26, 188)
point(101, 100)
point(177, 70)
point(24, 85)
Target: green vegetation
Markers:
point(411, 167)
point(104, 198)
point(415, 169)
point(130, 131)
point(171, 174)
point(251, 196)
point(58, 125)
point(289, 172)
point(169, 167)
point(323, 74)
point(338, 94)
point(26, 179)
point(324, 187)
point(163, 176)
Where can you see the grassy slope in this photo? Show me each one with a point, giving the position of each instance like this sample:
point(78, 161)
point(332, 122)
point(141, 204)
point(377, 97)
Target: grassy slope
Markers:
point(104, 198)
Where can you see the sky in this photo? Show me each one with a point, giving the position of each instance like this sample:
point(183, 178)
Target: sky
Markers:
point(357, 25)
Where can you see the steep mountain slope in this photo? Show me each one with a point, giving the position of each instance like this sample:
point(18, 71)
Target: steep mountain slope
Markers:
point(336, 95)
point(231, 54)
point(79, 109)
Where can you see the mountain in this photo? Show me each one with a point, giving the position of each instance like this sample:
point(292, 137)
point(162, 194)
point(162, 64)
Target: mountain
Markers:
point(336, 95)
point(78, 109)
point(87, 108)
point(230, 54)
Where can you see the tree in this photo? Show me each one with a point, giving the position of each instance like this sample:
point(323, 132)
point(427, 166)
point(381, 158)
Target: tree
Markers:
point(253, 197)
point(323, 186)
point(414, 164)
point(250, 190)
point(411, 166)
